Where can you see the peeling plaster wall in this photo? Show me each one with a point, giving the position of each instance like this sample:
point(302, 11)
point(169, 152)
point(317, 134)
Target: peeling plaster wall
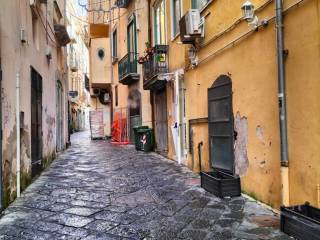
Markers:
point(240, 145)
point(18, 57)
point(251, 64)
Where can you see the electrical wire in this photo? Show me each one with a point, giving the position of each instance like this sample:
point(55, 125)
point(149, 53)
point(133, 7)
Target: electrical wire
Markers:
point(246, 34)
point(44, 26)
point(233, 25)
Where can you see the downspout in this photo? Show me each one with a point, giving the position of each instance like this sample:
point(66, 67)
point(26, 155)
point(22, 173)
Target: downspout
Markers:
point(18, 131)
point(1, 190)
point(149, 40)
point(282, 105)
point(111, 66)
point(178, 112)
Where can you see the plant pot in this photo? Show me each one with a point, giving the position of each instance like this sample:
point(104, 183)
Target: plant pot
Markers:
point(301, 222)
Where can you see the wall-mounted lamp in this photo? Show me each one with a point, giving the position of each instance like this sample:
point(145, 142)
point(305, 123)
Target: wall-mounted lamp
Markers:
point(248, 13)
point(192, 53)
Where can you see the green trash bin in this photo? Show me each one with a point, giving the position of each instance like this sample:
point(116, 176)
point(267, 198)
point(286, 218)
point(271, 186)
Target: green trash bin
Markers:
point(146, 139)
point(137, 141)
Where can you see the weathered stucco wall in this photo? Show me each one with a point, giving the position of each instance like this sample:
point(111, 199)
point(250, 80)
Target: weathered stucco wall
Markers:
point(302, 39)
point(17, 57)
point(100, 69)
point(140, 8)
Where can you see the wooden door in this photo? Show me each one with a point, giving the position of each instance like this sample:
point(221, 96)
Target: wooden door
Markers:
point(161, 122)
point(36, 121)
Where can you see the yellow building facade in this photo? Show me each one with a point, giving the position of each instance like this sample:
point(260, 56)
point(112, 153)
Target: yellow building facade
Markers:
point(129, 35)
point(247, 55)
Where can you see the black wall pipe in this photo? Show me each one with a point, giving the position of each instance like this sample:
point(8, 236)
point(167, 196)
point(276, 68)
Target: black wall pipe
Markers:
point(200, 144)
point(281, 83)
point(1, 186)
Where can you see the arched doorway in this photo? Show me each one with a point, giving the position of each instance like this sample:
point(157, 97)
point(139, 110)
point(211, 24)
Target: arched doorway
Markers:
point(221, 128)
point(134, 104)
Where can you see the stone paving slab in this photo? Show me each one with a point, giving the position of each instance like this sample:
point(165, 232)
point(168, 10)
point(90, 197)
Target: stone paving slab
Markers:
point(95, 190)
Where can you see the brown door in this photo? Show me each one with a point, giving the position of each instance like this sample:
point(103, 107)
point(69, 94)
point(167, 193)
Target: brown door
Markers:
point(36, 121)
point(161, 122)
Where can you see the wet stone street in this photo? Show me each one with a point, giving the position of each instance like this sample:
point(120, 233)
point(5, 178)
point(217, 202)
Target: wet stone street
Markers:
point(96, 190)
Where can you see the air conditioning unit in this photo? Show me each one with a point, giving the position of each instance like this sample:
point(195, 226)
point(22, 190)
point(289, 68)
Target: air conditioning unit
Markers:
point(193, 22)
point(191, 26)
point(106, 97)
point(95, 92)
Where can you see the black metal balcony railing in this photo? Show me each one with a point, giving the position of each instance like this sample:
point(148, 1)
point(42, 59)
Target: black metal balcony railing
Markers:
point(128, 67)
point(155, 65)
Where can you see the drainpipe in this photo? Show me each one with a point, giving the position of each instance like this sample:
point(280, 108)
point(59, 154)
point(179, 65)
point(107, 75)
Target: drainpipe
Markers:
point(282, 104)
point(1, 191)
point(318, 195)
point(178, 114)
point(18, 131)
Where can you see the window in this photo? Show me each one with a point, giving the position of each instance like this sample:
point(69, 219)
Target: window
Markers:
point(176, 15)
point(101, 53)
point(159, 23)
point(131, 32)
point(199, 4)
point(114, 44)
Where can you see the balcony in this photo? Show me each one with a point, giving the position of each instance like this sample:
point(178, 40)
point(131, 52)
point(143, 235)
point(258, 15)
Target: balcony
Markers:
point(155, 65)
point(128, 69)
point(61, 34)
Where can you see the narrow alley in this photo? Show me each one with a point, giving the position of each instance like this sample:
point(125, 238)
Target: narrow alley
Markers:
point(96, 190)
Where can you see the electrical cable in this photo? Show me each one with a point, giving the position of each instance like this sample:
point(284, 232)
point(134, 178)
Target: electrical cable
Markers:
point(44, 26)
point(246, 34)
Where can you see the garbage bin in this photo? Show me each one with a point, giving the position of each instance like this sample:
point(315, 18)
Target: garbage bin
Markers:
point(137, 141)
point(146, 139)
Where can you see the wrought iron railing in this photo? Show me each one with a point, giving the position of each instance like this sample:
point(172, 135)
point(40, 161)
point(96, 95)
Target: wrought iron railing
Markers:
point(156, 64)
point(127, 65)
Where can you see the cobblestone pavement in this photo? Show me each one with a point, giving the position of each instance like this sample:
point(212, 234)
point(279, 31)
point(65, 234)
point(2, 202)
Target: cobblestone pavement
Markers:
point(95, 190)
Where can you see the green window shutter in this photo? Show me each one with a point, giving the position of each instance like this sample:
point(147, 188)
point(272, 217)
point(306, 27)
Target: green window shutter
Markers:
point(194, 4)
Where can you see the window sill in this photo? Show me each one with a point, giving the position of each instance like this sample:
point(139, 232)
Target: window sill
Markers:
point(114, 60)
point(206, 6)
point(175, 37)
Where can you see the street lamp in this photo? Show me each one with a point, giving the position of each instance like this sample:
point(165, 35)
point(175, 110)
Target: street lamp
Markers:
point(248, 13)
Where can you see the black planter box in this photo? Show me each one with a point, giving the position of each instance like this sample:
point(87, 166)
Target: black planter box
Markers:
point(301, 222)
point(221, 184)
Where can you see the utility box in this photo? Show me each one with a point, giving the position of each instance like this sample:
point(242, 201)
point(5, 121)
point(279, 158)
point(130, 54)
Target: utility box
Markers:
point(301, 222)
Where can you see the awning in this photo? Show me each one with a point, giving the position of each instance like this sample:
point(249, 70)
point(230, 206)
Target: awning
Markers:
point(62, 35)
